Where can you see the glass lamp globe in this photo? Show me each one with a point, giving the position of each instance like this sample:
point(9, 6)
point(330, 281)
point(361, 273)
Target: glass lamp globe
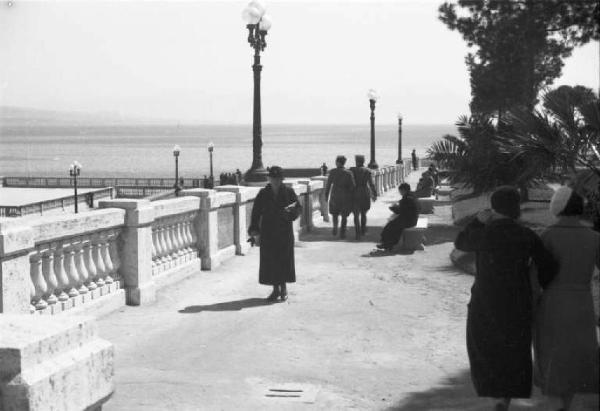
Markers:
point(251, 15)
point(259, 5)
point(211, 146)
point(372, 95)
point(176, 150)
point(265, 23)
point(400, 116)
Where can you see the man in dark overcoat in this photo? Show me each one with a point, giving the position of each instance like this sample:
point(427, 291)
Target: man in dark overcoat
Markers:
point(406, 214)
point(363, 193)
point(340, 184)
point(499, 319)
point(275, 208)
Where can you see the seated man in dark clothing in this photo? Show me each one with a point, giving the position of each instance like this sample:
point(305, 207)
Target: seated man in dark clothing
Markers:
point(426, 185)
point(406, 214)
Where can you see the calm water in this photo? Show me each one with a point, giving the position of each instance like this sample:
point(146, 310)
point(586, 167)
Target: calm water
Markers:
point(123, 151)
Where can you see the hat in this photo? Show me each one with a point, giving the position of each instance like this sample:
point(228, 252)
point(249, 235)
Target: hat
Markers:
point(560, 198)
point(506, 201)
point(275, 172)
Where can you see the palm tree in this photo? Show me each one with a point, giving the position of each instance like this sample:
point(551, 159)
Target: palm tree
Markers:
point(473, 159)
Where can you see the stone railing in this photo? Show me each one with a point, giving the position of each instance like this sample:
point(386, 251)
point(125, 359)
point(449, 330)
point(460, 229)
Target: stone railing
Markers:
point(121, 253)
point(98, 182)
point(389, 177)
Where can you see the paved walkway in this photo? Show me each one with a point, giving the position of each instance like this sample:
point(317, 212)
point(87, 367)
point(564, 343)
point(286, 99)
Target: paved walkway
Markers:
point(358, 332)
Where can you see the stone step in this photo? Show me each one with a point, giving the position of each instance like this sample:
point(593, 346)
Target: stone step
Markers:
point(29, 340)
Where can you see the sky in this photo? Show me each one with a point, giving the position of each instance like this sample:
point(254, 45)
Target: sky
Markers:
point(189, 61)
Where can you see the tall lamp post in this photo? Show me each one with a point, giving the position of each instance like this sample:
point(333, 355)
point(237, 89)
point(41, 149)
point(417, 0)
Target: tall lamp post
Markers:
point(211, 179)
point(177, 187)
point(258, 23)
point(373, 96)
point(75, 171)
point(399, 160)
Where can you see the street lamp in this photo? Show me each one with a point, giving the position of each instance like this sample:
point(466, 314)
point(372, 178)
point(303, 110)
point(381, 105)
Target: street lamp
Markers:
point(373, 97)
point(211, 181)
point(258, 23)
point(399, 160)
point(75, 171)
point(177, 187)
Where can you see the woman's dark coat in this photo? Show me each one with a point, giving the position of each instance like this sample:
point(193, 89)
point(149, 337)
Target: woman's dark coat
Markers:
point(365, 188)
point(274, 225)
point(407, 210)
point(499, 320)
point(341, 200)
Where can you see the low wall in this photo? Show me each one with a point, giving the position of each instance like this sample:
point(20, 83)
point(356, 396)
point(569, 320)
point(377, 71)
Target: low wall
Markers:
point(97, 261)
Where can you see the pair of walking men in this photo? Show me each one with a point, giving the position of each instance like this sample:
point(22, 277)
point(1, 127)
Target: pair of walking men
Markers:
point(351, 192)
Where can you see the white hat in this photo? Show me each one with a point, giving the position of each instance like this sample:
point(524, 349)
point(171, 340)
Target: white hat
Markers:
point(560, 199)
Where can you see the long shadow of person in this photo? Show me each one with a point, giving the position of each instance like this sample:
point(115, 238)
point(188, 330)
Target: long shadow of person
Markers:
point(227, 306)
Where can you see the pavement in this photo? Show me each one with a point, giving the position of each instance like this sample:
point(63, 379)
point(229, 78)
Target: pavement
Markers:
point(360, 330)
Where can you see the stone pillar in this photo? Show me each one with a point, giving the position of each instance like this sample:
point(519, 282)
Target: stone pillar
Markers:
point(136, 251)
point(53, 363)
point(207, 226)
point(242, 195)
point(323, 200)
point(16, 241)
point(300, 190)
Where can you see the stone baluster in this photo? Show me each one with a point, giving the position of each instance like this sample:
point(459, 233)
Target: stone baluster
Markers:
point(114, 252)
point(107, 260)
point(31, 294)
point(61, 272)
point(37, 278)
point(173, 238)
point(80, 266)
point(98, 260)
point(179, 240)
point(71, 270)
point(168, 243)
point(163, 243)
point(154, 249)
point(193, 233)
point(50, 274)
point(88, 259)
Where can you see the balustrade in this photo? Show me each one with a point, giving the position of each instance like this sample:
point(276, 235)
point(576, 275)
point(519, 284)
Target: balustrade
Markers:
point(73, 267)
point(174, 241)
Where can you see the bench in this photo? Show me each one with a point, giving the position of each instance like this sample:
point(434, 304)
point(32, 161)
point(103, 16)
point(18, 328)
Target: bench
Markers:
point(413, 238)
point(426, 204)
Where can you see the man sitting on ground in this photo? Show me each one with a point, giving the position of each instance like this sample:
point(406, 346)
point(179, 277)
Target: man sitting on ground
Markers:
point(406, 214)
point(426, 186)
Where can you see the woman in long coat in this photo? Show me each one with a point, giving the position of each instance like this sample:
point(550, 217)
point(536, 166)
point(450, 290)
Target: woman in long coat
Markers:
point(341, 200)
point(363, 193)
point(275, 208)
point(566, 345)
point(499, 319)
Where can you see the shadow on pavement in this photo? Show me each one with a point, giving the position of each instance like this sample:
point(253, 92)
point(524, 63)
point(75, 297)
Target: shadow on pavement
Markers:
point(385, 253)
point(227, 306)
point(439, 234)
point(324, 234)
point(454, 394)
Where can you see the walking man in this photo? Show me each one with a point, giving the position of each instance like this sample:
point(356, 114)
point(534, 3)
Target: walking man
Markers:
point(363, 193)
point(340, 202)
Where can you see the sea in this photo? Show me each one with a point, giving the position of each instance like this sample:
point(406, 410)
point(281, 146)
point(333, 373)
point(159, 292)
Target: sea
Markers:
point(147, 150)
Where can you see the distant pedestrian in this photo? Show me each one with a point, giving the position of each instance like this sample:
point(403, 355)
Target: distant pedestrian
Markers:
point(499, 319)
point(566, 346)
point(363, 193)
point(275, 208)
point(342, 192)
point(323, 169)
point(433, 171)
point(406, 215)
point(238, 175)
point(413, 156)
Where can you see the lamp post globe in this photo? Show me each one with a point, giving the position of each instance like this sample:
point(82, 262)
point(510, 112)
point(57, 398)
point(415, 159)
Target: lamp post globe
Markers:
point(258, 24)
point(176, 186)
point(373, 96)
point(399, 160)
point(211, 179)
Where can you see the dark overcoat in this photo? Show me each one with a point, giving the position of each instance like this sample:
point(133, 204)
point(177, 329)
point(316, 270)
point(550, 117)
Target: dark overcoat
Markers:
point(340, 184)
point(365, 188)
point(499, 319)
point(407, 211)
point(274, 225)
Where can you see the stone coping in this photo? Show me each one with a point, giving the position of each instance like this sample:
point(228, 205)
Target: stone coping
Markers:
point(174, 206)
